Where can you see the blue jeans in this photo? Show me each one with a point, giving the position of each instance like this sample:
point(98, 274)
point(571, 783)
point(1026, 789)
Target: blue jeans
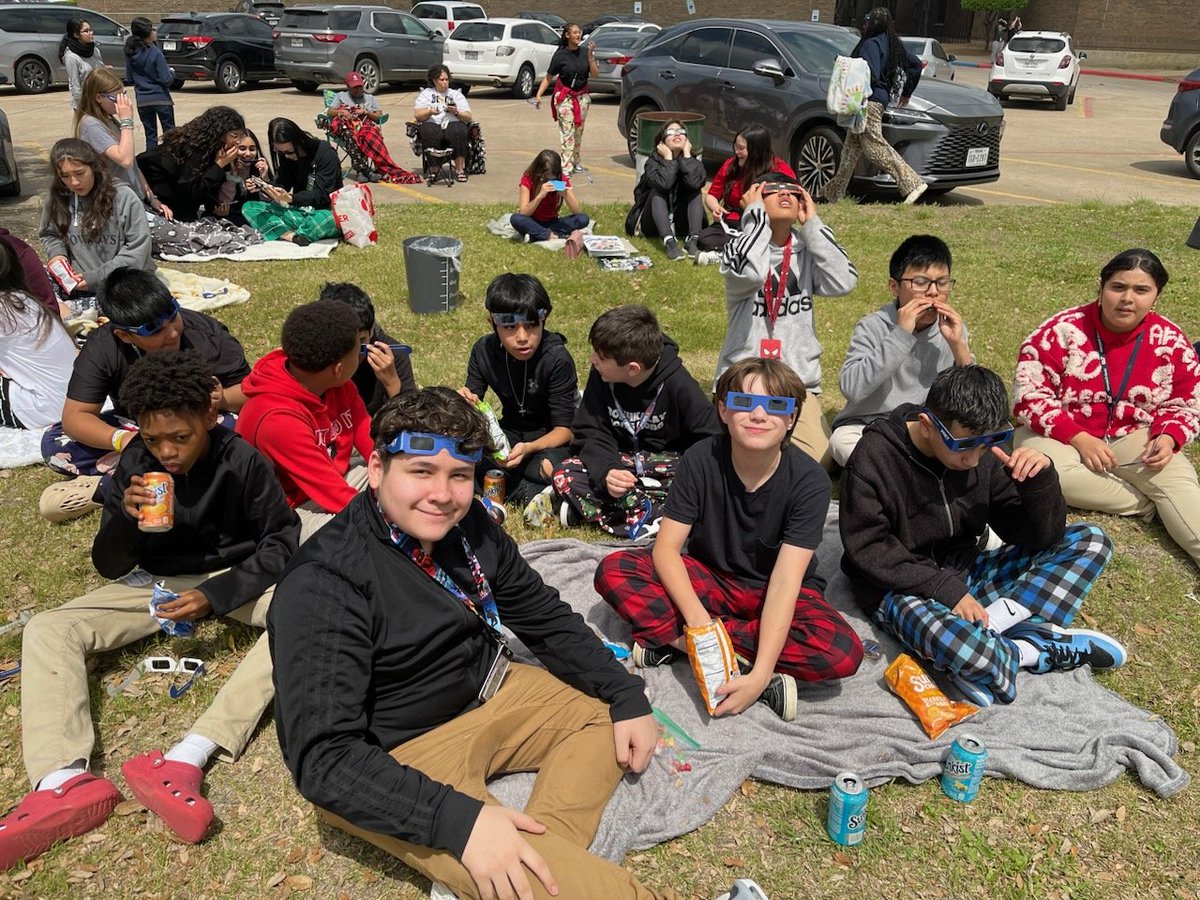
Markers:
point(149, 114)
point(541, 231)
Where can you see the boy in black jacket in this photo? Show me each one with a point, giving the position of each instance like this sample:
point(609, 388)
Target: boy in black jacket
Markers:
point(232, 536)
point(641, 410)
point(916, 496)
point(387, 372)
point(386, 631)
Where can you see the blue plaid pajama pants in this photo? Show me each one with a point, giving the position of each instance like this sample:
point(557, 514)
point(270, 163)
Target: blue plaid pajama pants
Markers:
point(1050, 583)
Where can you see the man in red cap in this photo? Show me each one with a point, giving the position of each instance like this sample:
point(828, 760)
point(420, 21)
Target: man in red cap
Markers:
point(354, 116)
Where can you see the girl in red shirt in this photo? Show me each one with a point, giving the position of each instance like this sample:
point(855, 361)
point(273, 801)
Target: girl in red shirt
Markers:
point(543, 190)
point(752, 156)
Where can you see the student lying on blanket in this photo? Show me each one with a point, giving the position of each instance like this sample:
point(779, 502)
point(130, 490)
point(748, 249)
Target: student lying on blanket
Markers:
point(396, 699)
point(232, 536)
point(750, 506)
point(916, 496)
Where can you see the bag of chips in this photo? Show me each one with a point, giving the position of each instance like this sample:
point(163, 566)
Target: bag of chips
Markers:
point(913, 685)
point(711, 654)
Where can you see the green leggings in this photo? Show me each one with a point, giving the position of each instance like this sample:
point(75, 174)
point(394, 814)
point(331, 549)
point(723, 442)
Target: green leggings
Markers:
point(273, 221)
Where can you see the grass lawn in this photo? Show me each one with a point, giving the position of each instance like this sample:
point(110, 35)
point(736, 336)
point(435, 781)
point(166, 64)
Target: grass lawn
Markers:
point(1015, 266)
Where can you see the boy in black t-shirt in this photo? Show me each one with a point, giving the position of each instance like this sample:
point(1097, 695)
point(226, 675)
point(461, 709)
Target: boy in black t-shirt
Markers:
point(532, 373)
point(640, 410)
point(387, 372)
point(143, 318)
point(750, 507)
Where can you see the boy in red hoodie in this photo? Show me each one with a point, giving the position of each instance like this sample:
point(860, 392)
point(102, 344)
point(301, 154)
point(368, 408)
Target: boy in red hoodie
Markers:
point(305, 415)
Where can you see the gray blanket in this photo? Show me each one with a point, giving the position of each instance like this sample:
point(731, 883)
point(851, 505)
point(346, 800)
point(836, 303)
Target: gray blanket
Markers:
point(1064, 732)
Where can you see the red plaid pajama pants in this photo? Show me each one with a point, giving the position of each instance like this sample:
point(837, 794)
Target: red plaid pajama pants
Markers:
point(820, 644)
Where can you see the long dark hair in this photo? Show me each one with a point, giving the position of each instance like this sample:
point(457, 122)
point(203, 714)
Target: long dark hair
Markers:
point(759, 156)
point(100, 200)
point(879, 21)
point(204, 135)
point(139, 29)
point(15, 298)
point(562, 35)
point(662, 132)
point(546, 166)
point(258, 144)
point(285, 131)
point(71, 40)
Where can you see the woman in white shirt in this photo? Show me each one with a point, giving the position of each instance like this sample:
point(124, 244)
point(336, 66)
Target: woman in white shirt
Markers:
point(79, 53)
point(442, 115)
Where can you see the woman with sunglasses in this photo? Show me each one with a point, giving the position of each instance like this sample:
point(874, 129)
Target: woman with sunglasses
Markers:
point(192, 161)
point(78, 52)
point(1110, 391)
point(152, 79)
point(666, 200)
point(307, 172)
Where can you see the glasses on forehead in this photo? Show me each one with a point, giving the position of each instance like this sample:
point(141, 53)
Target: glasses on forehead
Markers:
point(512, 320)
point(958, 445)
point(921, 283)
point(780, 187)
point(152, 328)
point(737, 401)
point(421, 443)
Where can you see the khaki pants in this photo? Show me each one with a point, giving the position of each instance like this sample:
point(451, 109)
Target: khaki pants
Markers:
point(1129, 490)
point(812, 430)
point(843, 441)
point(56, 722)
point(535, 723)
point(312, 517)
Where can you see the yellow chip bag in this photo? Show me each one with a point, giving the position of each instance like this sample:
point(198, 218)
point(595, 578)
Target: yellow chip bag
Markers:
point(711, 654)
point(913, 685)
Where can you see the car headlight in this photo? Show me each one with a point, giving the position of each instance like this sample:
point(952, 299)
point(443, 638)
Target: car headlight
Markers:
point(903, 115)
point(505, 50)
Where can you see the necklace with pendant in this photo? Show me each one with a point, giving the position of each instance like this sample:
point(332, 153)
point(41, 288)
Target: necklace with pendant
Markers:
point(513, 387)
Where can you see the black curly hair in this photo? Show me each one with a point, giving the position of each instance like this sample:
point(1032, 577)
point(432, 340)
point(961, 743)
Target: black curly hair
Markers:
point(435, 410)
point(167, 381)
point(316, 335)
point(204, 135)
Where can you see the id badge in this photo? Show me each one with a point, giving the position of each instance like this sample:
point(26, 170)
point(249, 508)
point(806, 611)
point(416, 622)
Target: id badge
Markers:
point(770, 348)
point(496, 674)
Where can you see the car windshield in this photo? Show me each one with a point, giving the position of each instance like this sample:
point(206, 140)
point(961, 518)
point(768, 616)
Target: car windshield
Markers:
point(1036, 45)
point(462, 13)
point(343, 20)
point(477, 31)
point(817, 52)
point(621, 40)
point(914, 45)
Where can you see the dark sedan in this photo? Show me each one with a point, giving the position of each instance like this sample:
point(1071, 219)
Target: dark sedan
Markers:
point(1181, 128)
point(230, 49)
point(739, 72)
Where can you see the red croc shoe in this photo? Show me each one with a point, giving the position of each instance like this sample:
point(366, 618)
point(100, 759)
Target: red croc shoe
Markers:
point(46, 817)
point(170, 790)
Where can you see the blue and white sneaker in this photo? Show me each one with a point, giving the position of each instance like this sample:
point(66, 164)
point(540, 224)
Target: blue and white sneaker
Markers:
point(972, 692)
point(744, 889)
point(1063, 649)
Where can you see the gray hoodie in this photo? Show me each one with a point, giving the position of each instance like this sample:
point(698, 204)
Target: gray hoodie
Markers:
point(819, 266)
point(886, 366)
point(125, 240)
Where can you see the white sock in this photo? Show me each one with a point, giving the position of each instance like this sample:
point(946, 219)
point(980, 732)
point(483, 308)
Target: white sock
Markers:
point(193, 749)
point(1027, 654)
point(61, 776)
point(1004, 613)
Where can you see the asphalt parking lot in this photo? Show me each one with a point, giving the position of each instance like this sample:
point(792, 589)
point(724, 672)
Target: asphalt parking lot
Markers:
point(1105, 147)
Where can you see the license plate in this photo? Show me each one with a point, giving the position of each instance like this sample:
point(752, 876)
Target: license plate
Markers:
point(170, 45)
point(296, 42)
point(470, 54)
point(977, 156)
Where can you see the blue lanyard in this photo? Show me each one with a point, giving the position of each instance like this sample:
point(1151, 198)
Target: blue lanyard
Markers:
point(1114, 399)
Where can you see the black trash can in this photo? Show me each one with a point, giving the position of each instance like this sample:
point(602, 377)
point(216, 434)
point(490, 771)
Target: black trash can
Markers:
point(431, 265)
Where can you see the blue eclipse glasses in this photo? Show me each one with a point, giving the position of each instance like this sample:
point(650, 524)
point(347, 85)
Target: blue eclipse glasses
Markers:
point(512, 320)
point(397, 349)
point(420, 443)
point(158, 325)
point(958, 445)
point(736, 401)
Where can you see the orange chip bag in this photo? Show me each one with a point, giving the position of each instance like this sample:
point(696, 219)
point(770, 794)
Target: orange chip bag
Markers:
point(936, 711)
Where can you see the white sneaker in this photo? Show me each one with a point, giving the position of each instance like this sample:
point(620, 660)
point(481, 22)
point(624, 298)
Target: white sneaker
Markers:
point(707, 258)
point(744, 889)
point(915, 194)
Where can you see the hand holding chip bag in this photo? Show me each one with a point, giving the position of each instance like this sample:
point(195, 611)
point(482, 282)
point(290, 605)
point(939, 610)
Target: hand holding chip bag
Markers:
point(711, 654)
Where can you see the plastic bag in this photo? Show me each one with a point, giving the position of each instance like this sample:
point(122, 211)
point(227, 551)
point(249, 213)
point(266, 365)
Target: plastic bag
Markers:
point(913, 685)
point(354, 212)
point(849, 91)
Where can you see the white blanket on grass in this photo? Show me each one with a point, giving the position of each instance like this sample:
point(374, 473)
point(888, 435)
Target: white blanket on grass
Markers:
point(266, 251)
point(1064, 732)
point(19, 447)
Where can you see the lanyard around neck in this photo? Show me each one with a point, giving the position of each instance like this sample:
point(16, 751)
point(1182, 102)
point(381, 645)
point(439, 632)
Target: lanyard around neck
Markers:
point(773, 297)
point(1114, 399)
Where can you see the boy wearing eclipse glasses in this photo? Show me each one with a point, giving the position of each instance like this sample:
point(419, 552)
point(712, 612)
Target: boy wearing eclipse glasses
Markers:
point(977, 615)
point(397, 699)
point(750, 507)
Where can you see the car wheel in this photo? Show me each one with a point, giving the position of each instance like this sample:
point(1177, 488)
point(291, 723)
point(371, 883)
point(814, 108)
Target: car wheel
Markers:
point(631, 127)
point(1060, 102)
point(32, 76)
point(815, 158)
point(523, 84)
point(305, 87)
point(1191, 153)
point(229, 78)
point(369, 70)
point(12, 189)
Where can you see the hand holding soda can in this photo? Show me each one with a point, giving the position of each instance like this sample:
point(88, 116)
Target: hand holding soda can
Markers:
point(159, 515)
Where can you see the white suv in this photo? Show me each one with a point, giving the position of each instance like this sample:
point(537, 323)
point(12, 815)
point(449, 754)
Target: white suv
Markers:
point(512, 53)
point(441, 16)
point(1037, 64)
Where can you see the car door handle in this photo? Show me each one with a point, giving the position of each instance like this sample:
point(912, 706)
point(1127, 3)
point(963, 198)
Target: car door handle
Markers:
point(379, 40)
point(666, 74)
point(728, 85)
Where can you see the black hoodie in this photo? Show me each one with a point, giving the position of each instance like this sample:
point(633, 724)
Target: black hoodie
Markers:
point(682, 416)
point(911, 525)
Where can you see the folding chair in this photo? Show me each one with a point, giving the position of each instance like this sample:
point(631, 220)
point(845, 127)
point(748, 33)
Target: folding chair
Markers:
point(351, 158)
point(437, 165)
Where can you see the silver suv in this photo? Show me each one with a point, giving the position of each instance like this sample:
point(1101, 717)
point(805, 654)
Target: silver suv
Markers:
point(29, 37)
point(317, 45)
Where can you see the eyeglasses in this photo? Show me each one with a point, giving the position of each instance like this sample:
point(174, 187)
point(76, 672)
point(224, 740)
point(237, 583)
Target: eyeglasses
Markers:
point(922, 284)
point(420, 443)
point(780, 187)
point(958, 445)
point(167, 665)
point(736, 401)
point(158, 325)
point(512, 320)
point(675, 132)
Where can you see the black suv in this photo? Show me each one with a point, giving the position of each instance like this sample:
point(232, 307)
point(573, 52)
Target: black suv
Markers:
point(228, 48)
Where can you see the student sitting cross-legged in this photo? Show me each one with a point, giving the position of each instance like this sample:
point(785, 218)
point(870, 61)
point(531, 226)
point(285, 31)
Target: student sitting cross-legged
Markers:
point(232, 536)
point(916, 496)
point(750, 507)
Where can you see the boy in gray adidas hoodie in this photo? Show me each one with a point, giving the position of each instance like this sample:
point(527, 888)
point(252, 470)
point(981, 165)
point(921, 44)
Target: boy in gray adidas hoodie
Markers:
point(770, 316)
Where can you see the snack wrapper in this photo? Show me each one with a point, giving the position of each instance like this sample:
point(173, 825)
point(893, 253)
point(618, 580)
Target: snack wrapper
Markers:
point(711, 654)
point(495, 432)
point(912, 684)
point(169, 626)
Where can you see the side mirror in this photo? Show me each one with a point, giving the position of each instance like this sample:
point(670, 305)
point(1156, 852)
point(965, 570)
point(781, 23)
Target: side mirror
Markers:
point(952, 58)
point(1082, 55)
point(769, 68)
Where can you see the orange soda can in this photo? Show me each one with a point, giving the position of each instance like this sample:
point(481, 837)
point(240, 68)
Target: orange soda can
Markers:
point(493, 485)
point(159, 515)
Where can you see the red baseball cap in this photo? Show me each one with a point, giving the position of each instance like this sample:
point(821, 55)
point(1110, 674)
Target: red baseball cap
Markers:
point(354, 80)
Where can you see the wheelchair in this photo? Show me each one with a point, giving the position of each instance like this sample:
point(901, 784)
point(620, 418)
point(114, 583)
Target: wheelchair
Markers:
point(438, 165)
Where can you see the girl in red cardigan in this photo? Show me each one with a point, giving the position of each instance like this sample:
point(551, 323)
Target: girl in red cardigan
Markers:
point(1110, 391)
point(752, 156)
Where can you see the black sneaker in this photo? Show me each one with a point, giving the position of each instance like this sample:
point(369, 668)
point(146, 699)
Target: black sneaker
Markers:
point(690, 246)
point(674, 251)
point(781, 696)
point(650, 657)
